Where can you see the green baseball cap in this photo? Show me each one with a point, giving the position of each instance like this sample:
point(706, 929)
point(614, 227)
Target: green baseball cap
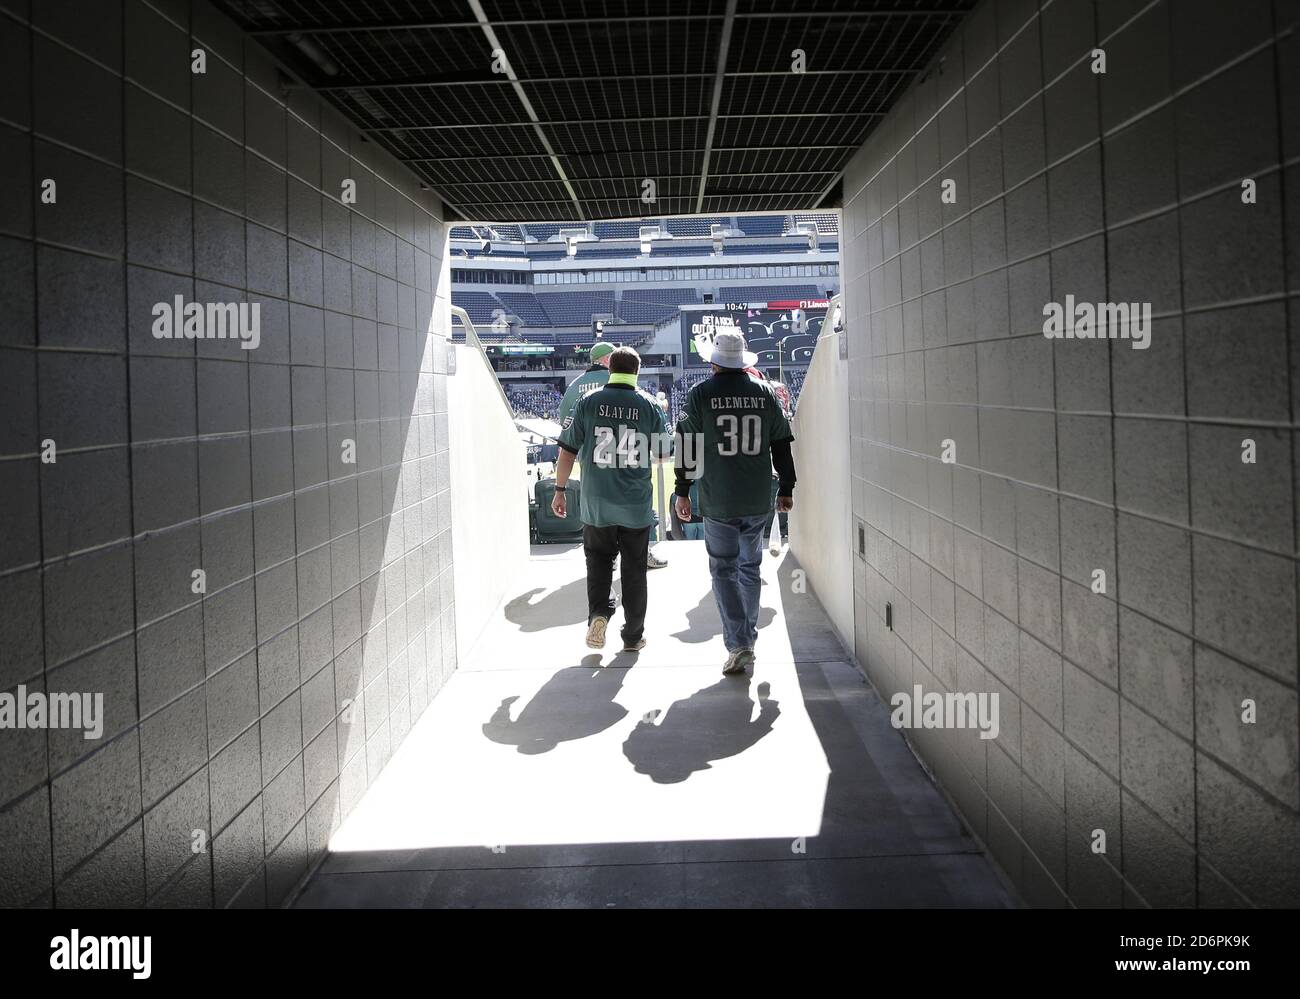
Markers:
point(600, 350)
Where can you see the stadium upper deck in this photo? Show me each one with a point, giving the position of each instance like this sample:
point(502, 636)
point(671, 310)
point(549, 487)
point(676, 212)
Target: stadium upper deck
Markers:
point(635, 274)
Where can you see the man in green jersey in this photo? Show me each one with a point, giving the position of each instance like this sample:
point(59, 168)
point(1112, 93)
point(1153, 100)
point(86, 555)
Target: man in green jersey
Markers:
point(733, 432)
point(589, 381)
point(616, 432)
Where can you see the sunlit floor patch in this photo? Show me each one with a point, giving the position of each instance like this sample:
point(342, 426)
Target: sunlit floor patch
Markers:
point(605, 755)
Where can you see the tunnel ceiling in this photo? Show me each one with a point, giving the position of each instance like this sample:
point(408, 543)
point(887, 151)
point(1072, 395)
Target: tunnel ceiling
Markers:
point(594, 98)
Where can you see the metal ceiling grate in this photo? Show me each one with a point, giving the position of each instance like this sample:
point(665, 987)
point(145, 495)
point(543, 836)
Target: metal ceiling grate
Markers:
point(622, 91)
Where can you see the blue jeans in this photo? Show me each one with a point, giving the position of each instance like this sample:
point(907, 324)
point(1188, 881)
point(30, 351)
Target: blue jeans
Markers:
point(735, 548)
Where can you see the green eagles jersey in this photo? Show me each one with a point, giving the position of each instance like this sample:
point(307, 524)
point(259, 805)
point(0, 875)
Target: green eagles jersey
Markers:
point(589, 381)
point(734, 419)
point(615, 432)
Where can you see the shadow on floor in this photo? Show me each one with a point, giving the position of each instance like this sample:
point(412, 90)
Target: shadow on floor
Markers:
point(703, 623)
point(712, 724)
point(575, 703)
point(562, 606)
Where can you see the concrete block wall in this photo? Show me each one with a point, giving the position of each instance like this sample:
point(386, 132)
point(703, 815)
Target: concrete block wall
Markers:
point(1120, 711)
point(242, 723)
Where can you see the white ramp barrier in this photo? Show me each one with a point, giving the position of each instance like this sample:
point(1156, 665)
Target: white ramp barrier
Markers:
point(489, 506)
point(821, 522)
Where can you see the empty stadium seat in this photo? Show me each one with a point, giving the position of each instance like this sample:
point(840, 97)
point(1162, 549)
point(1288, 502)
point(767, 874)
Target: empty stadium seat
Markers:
point(548, 528)
point(798, 340)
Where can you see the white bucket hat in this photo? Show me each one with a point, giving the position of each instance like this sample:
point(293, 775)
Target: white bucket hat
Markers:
point(728, 351)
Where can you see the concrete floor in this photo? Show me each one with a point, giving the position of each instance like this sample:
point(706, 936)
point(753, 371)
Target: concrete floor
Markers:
point(545, 774)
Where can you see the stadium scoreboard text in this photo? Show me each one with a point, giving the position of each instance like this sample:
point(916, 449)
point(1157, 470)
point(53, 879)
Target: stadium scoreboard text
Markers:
point(520, 348)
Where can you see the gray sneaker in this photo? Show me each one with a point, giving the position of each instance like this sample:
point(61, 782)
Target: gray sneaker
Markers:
point(738, 661)
point(596, 633)
point(653, 561)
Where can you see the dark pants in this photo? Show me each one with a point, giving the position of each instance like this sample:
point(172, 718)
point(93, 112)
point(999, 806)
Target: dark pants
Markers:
point(602, 545)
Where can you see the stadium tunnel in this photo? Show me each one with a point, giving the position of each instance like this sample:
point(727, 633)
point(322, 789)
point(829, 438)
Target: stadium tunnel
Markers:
point(298, 570)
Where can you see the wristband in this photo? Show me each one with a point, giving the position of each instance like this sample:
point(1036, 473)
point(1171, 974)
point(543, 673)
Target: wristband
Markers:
point(561, 489)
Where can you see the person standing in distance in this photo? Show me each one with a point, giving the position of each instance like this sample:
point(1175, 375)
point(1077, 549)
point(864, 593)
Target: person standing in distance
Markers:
point(589, 381)
point(733, 431)
point(616, 432)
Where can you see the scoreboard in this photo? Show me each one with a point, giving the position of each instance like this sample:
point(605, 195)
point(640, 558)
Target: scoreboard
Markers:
point(779, 332)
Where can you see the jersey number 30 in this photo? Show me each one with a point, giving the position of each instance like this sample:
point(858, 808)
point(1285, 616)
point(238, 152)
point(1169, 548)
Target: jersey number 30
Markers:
point(741, 435)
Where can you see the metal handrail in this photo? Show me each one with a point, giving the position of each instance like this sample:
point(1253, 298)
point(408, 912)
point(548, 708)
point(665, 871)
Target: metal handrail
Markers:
point(472, 340)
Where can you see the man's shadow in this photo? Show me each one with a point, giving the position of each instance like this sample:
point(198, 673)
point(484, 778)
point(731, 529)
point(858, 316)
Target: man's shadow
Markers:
point(575, 703)
point(703, 623)
point(712, 724)
point(567, 605)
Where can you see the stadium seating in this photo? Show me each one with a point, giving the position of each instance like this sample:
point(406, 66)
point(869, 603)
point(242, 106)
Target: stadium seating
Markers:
point(480, 305)
point(653, 305)
point(827, 223)
point(769, 293)
point(762, 225)
point(587, 251)
point(672, 250)
point(677, 394)
point(525, 305)
point(662, 296)
point(694, 226)
point(545, 230)
point(536, 403)
point(571, 337)
point(572, 308)
point(621, 230)
point(737, 249)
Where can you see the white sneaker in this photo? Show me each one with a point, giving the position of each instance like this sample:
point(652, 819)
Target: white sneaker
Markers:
point(653, 561)
point(596, 633)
